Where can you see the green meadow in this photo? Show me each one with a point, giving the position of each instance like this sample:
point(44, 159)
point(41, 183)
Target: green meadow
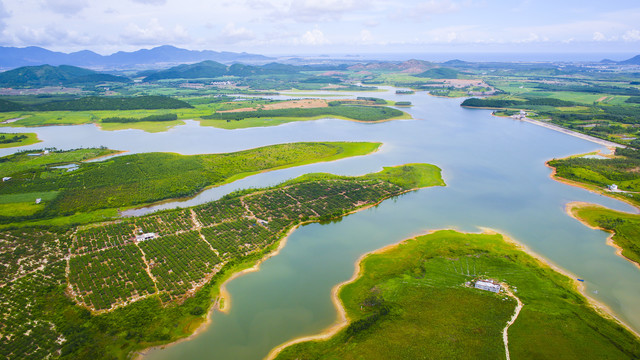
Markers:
point(624, 226)
point(412, 302)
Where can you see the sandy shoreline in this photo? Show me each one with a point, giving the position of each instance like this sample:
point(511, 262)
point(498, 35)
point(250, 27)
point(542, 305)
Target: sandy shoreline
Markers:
point(343, 320)
point(579, 286)
point(608, 144)
point(580, 204)
point(591, 188)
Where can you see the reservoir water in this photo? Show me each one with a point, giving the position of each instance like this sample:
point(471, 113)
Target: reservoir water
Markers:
point(495, 175)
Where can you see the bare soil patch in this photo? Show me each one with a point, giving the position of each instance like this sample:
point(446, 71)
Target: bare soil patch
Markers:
point(292, 104)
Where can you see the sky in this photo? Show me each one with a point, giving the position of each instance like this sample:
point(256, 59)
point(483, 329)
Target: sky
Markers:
point(280, 27)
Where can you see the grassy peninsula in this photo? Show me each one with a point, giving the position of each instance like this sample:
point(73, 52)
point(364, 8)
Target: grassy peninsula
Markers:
point(120, 295)
point(411, 301)
point(17, 139)
point(625, 227)
point(137, 179)
point(598, 173)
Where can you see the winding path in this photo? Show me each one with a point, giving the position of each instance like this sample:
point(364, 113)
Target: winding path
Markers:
point(505, 336)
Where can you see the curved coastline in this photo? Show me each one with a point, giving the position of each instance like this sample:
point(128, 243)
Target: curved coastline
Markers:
point(609, 144)
point(579, 286)
point(343, 320)
point(591, 188)
point(225, 298)
point(574, 205)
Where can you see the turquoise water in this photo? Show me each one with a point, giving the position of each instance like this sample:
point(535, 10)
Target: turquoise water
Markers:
point(496, 178)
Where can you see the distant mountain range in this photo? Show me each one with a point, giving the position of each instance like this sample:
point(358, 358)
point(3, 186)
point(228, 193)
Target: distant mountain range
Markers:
point(47, 75)
point(12, 57)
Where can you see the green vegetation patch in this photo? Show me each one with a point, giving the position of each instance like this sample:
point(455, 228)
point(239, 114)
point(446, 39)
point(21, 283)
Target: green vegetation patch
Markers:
point(100, 103)
point(626, 227)
point(159, 117)
point(439, 73)
point(623, 171)
point(37, 159)
point(143, 178)
point(361, 113)
point(411, 301)
point(8, 140)
point(194, 250)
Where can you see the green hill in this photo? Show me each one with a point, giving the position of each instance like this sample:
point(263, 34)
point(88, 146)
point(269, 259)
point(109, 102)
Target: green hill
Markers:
point(440, 73)
point(205, 69)
point(47, 75)
point(212, 69)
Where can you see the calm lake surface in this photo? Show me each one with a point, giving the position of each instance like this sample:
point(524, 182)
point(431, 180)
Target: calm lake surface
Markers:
point(495, 175)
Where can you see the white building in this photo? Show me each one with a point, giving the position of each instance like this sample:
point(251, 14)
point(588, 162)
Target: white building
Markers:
point(146, 236)
point(38, 200)
point(487, 285)
point(6, 178)
point(613, 187)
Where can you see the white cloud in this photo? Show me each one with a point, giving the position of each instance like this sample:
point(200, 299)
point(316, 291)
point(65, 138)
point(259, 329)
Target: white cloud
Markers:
point(313, 37)
point(318, 10)
point(432, 7)
point(154, 34)
point(4, 14)
point(366, 37)
point(151, 2)
point(598, 36)
point(66, 7)
point(631, 35)
point(232, 34)
point(45, 36)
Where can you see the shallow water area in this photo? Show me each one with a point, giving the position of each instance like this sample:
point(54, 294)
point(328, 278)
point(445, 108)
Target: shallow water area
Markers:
point(495, 175)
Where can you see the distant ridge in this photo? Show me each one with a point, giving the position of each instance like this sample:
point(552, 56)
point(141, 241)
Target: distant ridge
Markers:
point(213, 69)
point(410, 66)
point(12, 57)
point(633, 61)
point(47, 75)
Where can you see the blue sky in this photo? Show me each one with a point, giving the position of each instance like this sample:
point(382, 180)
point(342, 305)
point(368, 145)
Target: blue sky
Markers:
point(325, 26)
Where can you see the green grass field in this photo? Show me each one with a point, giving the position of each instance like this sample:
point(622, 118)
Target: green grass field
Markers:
point(597, 174)
point(411, 302)
point(626, 227)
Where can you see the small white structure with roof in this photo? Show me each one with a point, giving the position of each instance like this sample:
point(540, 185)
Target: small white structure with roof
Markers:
point(487, 285)
point(613, 187)
point(146, 236)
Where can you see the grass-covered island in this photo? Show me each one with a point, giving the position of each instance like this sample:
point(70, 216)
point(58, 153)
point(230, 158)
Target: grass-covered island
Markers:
point(66, 186)
point(416, 300)
point(625, 227)
point(159, 113)
point(17, 139)
point(106, 290)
